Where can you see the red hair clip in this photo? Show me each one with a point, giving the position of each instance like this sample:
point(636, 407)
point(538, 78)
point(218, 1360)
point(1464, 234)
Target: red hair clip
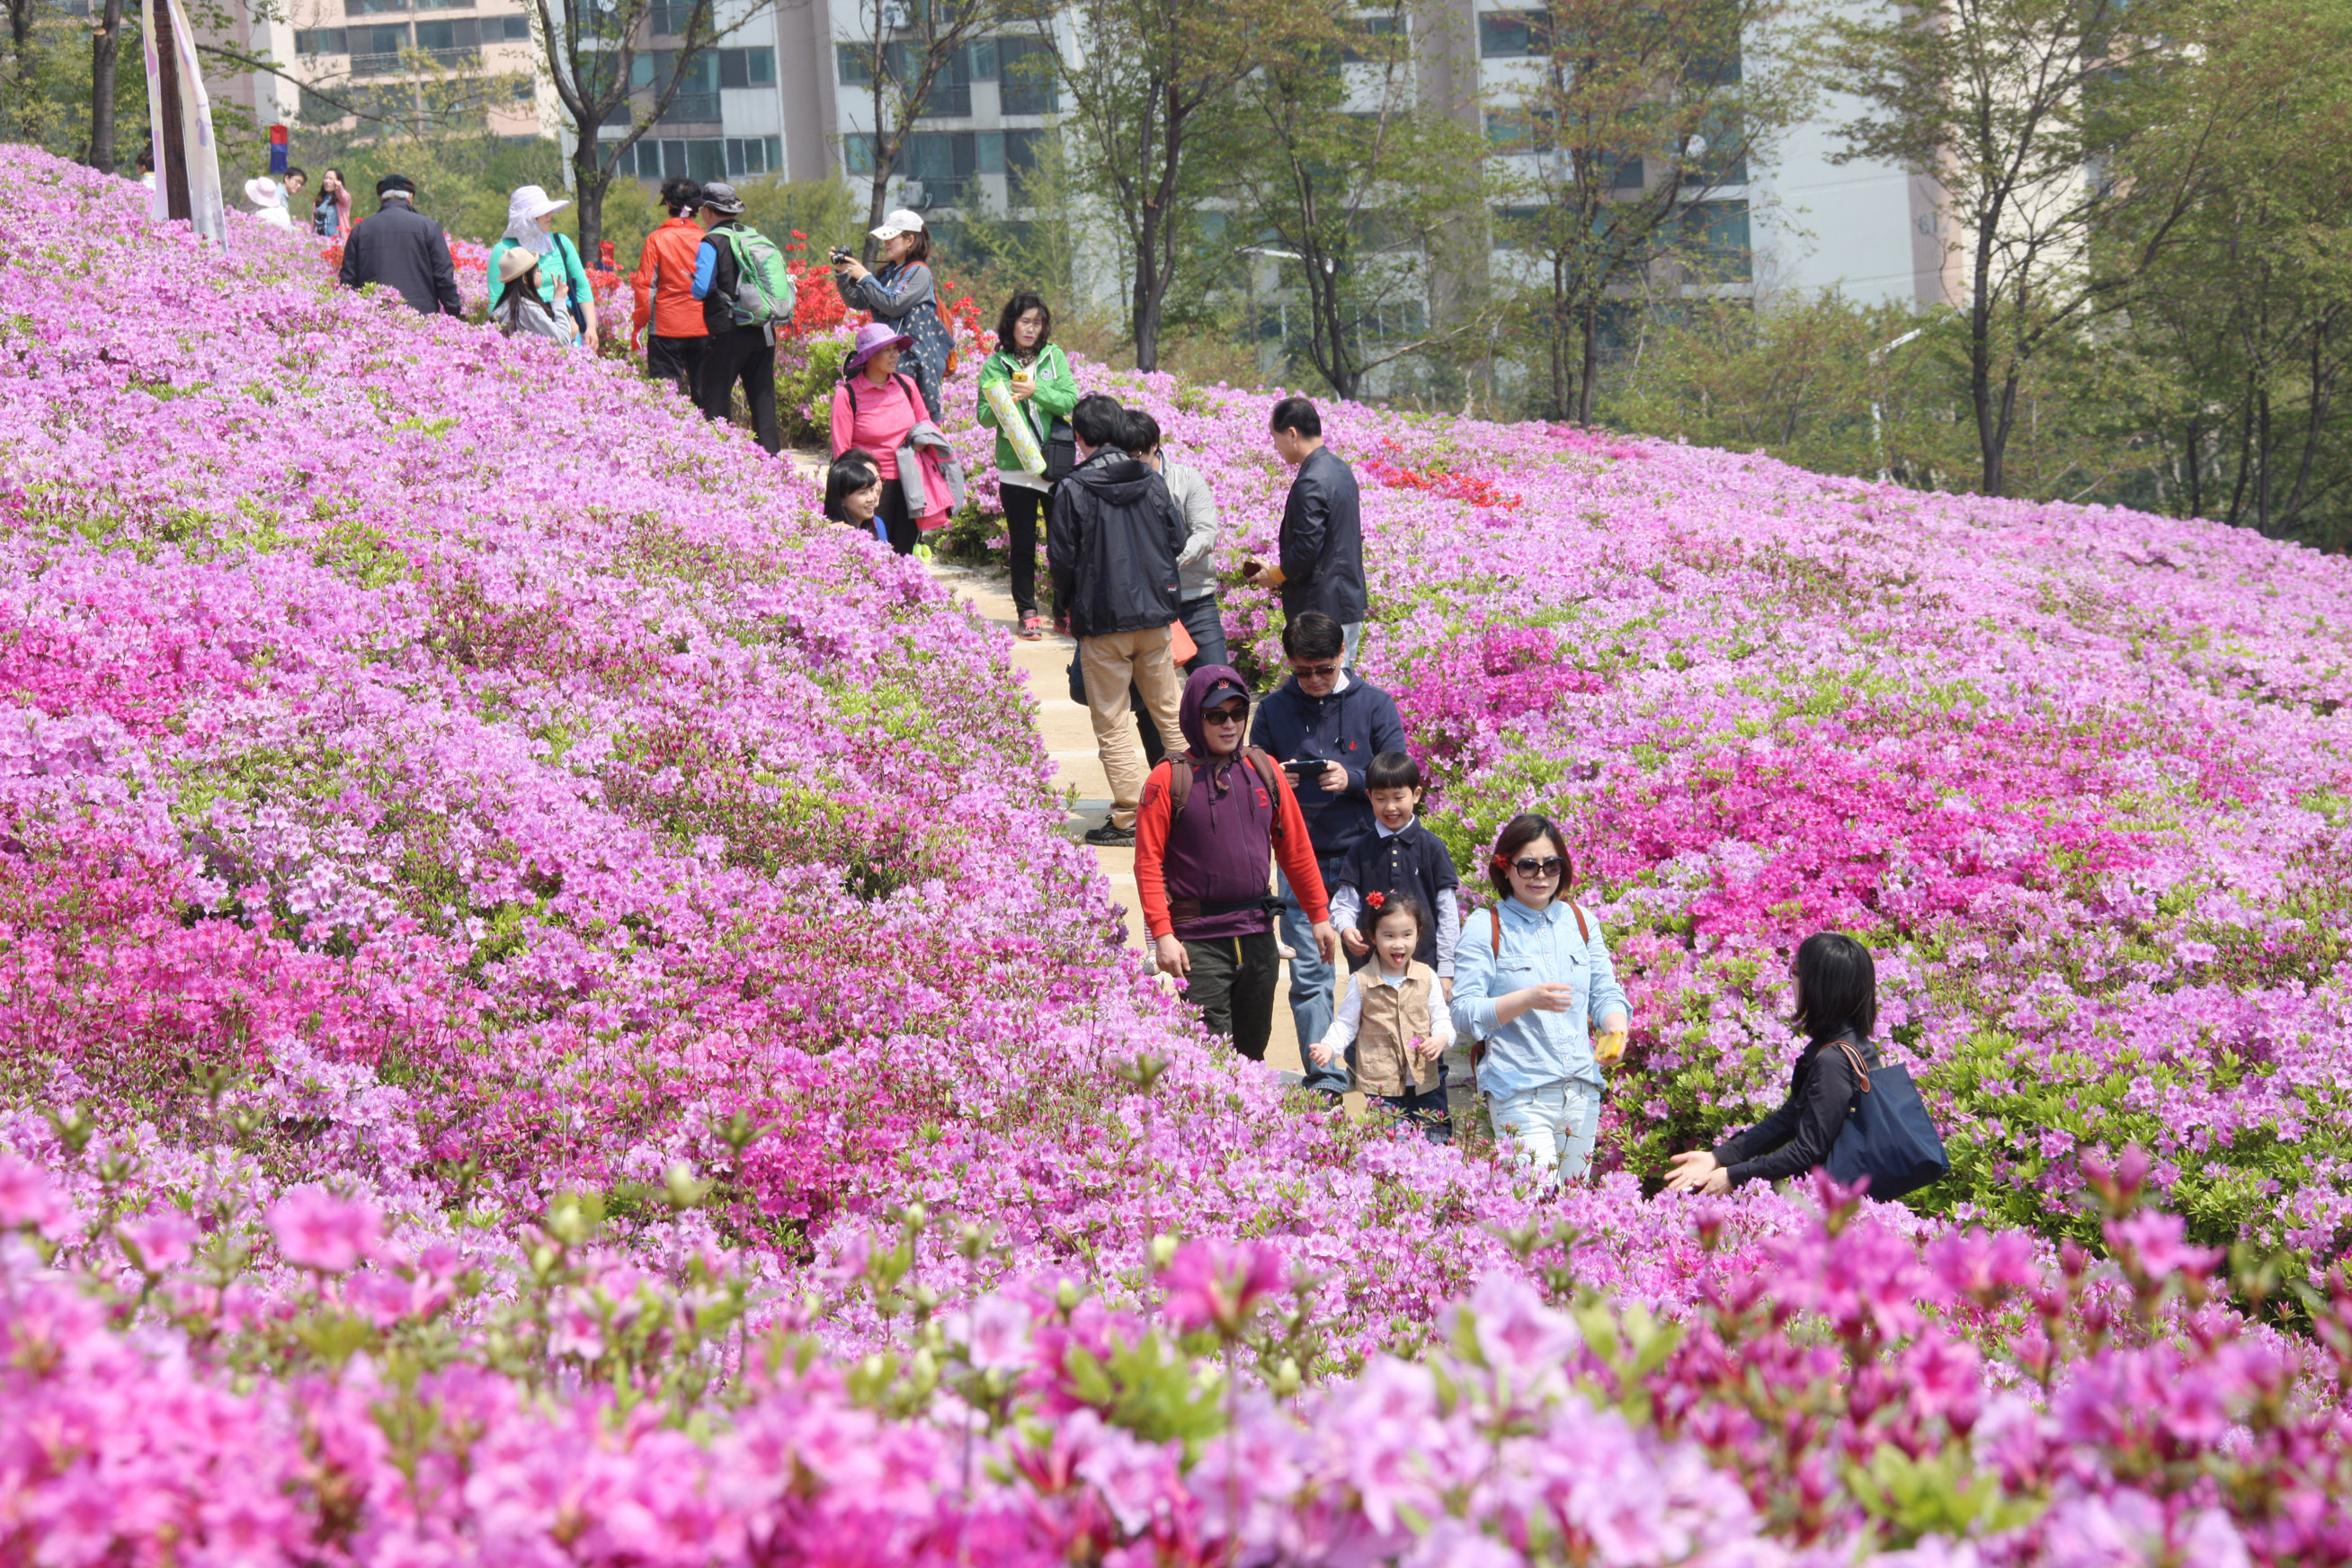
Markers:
point(1375, 900)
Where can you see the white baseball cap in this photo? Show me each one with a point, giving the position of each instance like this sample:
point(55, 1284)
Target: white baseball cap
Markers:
point(906, 220)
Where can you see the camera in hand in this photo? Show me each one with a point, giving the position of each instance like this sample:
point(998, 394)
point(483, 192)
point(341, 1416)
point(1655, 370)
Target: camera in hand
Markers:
point(839, 256)
point(1302, 769)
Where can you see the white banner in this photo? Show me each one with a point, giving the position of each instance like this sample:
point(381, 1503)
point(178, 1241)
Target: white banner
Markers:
point(204, 205)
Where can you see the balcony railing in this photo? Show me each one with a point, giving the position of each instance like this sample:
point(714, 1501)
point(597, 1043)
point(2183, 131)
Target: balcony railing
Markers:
point(398, 61)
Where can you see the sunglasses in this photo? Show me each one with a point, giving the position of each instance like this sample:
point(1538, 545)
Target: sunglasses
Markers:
point(1549, 866)
point(1233, 715)
point(1319, 671)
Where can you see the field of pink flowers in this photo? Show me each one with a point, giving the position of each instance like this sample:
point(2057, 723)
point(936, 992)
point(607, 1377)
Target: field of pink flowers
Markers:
point(544, 1018)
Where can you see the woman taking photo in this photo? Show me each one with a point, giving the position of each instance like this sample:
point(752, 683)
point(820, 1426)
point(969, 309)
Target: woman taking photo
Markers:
point(1529, 981)
point(1837, 1006)
point(1036, 377)
point(904, 295)
point(875, 409)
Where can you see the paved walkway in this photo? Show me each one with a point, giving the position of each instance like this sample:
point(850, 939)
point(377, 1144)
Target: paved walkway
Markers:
point(1069, 739)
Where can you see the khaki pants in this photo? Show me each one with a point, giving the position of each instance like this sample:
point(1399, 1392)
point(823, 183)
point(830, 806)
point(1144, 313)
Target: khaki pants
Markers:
point(1108, 665)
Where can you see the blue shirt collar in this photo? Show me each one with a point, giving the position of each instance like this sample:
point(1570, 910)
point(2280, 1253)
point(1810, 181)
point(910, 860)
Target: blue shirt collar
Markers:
point(1549, 915)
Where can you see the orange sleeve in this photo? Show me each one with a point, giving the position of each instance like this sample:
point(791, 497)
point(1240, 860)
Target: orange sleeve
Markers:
point(1294, 852)
point(641, 283)
point(1151, 853)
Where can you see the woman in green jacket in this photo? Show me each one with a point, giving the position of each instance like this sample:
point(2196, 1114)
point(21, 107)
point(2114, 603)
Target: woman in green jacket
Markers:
point(1039, 383)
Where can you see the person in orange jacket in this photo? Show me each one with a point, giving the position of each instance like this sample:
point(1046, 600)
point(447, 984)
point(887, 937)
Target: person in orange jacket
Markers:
point(664, 281)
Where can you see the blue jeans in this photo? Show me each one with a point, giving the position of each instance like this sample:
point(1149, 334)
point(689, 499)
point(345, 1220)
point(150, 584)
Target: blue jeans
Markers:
point(1311, 996)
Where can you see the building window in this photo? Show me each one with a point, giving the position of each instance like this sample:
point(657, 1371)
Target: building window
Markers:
point(857, 152)
point(755, 155)
point(508, 28)
point(746, 68)
point(854, 63)
point(322, 41)
point(1521, 130)
point(1026, 77)
point(1515, 228)
point(376, 49)
point(1627, 175)
point(1512, 34)
point(372, 8)
point(1714, 237)
point(454, 42)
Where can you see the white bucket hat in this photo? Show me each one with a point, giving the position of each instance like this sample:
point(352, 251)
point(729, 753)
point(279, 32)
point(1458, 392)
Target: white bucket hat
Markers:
point(530, 204)
point(263, 191)
point(906, 220)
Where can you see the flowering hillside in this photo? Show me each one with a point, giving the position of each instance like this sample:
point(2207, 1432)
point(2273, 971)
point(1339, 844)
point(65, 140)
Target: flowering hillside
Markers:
point(2081, 777)
point(546, 1019)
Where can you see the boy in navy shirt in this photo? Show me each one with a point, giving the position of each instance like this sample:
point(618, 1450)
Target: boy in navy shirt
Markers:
point(1400, 855)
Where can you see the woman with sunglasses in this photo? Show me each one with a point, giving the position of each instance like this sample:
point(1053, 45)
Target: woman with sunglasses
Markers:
point(1530, 982)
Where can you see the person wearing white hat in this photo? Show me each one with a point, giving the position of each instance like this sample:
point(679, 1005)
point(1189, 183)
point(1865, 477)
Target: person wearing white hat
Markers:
point(563, 278)
point(268, 201)
point(903, 294)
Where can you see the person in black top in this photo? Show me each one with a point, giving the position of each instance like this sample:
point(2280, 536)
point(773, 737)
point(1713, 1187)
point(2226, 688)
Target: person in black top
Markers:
point(732, 352)
point(1322, 539)
point(402, 248)
point(1837, 1005)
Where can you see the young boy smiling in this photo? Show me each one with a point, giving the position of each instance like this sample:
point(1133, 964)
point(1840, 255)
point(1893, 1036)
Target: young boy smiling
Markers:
point(1401, 856)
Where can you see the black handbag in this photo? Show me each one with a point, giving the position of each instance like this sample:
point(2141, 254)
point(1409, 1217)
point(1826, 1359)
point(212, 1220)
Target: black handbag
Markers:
point(1889, 1137)
point(1060, 451)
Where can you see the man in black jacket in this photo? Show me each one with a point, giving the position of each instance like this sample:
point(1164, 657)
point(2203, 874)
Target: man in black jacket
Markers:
point(1322, 545)
point(745, 354)
point(402, 248)
point(1112, 541)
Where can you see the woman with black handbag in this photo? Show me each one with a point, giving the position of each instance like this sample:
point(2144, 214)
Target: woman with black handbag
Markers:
point(1029, 375)
point(1823, 1121)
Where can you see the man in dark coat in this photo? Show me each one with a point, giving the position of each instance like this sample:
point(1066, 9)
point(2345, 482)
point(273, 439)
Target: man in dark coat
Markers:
point(402, 248)
point(1324, 714)
point(1322, 544)
point(1112, 539)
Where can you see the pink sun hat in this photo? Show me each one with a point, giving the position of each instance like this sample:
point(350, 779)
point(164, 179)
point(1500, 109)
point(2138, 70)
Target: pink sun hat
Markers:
point(871, 340)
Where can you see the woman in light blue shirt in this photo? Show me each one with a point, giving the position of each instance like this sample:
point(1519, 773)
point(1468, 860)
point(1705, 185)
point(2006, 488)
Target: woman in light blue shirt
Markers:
point(1530, 980)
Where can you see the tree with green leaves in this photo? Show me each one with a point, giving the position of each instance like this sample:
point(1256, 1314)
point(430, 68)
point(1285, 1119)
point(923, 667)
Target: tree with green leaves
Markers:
point(607, 72)
point(2026, 112)
point(1350, 179)
point(1145, 77)
point(913, 57)
point(2246, 318)
point(1615, 145)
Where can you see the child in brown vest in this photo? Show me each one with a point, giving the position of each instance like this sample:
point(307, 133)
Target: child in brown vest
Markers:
point(1392, 1024)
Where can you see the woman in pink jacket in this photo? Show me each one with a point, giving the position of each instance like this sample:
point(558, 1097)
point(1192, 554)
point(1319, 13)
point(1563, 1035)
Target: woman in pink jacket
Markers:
point(875, 409)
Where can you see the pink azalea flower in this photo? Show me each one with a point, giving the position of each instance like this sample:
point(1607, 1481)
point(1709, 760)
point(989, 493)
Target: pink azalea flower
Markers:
point(1216, 1284)
point(316, 1229)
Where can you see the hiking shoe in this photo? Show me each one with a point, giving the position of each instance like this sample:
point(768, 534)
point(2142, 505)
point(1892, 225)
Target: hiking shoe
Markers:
point(1031, 629)
point(1110, 838)
point(1061, 623)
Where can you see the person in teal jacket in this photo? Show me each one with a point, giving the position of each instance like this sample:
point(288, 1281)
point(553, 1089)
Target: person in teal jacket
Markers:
point(1026, 357)
point(562, 279)
point(1531, 982)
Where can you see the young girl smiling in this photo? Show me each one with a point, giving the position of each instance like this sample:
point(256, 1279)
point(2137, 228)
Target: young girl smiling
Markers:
point(1394, 1018)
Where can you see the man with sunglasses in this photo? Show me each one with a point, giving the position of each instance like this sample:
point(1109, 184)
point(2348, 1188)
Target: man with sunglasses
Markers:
point(1210, 820)
point(1326, 725)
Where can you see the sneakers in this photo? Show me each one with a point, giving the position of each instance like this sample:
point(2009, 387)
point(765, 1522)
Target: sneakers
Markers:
point(1061, 623)
point(1110, 838)
point(1031, 629)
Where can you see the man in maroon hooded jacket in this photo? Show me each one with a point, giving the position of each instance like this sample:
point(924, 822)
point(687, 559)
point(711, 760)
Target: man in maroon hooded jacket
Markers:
point(1202, 844)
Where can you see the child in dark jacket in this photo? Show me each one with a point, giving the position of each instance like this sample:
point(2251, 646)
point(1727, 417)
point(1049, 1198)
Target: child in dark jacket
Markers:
point(1401, 856)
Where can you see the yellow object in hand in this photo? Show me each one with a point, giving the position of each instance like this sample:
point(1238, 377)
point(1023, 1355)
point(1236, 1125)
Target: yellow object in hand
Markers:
point(1610, 1044)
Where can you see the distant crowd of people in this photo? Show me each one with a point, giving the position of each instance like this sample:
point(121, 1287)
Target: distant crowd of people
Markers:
point(1393, 990)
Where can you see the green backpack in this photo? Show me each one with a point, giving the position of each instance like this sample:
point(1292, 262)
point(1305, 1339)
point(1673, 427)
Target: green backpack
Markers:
point(764, 290)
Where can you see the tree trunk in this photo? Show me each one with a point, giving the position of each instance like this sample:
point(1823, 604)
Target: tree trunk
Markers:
point(590, 180)
point(1559, 336)
point(1148, 293)
point(1592, 363)
point(105, 51)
